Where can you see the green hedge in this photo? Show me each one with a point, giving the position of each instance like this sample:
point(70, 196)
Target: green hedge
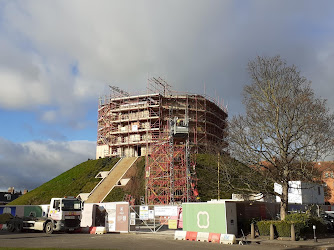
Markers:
point(264, 227)
point(281, 228)
point(303, 225)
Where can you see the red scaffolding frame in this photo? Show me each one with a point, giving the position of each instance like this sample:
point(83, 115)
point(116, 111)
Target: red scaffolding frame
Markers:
point(170, 172)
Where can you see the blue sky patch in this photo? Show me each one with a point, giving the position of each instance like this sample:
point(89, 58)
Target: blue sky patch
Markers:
point(74, 69)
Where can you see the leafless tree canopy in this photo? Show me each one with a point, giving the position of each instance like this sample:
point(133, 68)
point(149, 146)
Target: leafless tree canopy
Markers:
point(285, 129)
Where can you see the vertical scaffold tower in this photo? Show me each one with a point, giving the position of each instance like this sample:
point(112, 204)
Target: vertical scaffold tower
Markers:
point(170, 172)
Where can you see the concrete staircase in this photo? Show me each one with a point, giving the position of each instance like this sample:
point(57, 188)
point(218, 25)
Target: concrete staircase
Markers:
point(101, 191)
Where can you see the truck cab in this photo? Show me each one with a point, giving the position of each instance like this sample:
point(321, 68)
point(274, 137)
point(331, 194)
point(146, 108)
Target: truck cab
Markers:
point(64, 215)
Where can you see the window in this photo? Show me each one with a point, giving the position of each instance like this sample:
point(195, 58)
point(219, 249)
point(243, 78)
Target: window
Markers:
point(319, 191)
point(69, 205)
point(56, 204)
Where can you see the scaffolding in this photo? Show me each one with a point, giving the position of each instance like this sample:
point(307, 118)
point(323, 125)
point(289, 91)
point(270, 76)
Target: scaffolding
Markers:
point(170, 170)
point(127, 125)
point(167, 127)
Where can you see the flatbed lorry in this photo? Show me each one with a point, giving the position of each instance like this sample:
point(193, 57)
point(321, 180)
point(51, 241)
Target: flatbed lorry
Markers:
point(64, 214)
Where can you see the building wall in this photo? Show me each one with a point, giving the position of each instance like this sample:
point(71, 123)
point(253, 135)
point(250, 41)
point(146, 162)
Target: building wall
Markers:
point(313, 193)
point(302, 193)
point(326, 170)
point(102, 151)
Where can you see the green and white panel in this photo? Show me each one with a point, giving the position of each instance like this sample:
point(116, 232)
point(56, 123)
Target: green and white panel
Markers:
point(204, 217)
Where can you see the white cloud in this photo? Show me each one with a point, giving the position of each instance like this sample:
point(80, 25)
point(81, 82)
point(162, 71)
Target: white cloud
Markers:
point(30, 164)
point(49, 116)
point(121, 42)
point(17, 91)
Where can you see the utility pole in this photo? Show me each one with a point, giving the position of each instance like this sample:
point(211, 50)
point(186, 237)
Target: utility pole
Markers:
point(218, 175)
point(187, 151)
point(171, 152)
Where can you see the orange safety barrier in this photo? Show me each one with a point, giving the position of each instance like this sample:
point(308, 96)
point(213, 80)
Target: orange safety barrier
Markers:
point(214, 237)
point(92, 230)
point(192, 236)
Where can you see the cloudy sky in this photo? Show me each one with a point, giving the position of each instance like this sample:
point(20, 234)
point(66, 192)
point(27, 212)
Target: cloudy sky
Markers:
point(57, 57)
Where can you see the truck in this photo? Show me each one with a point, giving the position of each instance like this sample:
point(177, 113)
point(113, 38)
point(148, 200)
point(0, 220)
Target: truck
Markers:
point(63, 214)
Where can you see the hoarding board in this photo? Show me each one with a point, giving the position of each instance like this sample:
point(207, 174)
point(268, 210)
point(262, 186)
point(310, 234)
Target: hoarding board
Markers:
point(122, 217)
point(25, 210)
point(132, 219)
point(8, 210)
point(204, 217)
point(114, 216)
point(143, 212)
point(172, 224)
point(110, 218)
point(33, 211)
point(87, 218)
point(165, 210)
point(151, 214)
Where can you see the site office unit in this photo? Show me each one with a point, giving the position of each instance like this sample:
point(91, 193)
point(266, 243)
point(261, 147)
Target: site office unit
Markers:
point(213, 217)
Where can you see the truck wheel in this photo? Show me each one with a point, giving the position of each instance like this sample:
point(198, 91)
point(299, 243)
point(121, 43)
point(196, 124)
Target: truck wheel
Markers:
point(10, 226)
point(19, 226)
point(49, 227)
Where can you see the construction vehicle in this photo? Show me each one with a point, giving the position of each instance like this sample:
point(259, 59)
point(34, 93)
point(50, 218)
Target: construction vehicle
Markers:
point(63, 214)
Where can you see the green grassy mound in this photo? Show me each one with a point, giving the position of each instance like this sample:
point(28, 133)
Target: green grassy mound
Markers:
point(207, 174)
point(79, 179)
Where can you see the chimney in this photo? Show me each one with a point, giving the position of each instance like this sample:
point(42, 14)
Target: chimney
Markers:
point(11, 190)
point(25, 191)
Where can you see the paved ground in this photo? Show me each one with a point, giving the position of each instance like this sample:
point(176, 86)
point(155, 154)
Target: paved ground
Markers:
point(140, 241)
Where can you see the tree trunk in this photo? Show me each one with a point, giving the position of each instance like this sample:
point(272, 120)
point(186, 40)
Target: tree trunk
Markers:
point(284, 200)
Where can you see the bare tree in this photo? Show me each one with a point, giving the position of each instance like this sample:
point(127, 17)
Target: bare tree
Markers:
point(285, 128)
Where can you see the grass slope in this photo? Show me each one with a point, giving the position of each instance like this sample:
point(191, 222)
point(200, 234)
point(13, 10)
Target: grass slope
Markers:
point(79, 179)
point(207, 174)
